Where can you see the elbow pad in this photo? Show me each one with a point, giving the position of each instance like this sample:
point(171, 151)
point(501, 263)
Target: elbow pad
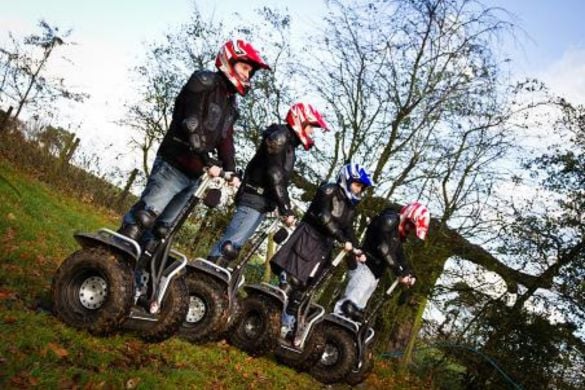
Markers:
point(384, 251)
point(279, 190)
point(190, 126)
point(330, 225)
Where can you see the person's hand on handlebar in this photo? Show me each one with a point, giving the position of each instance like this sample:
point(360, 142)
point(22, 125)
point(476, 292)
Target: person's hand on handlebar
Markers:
point(347, 246)
point(407, 280)
point(214, 171)
point(289, 220)
point(359, 255)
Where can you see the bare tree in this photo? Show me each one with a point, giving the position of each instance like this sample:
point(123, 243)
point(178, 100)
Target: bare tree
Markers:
point(159, 79)
point(194, 46)
point(23, 79)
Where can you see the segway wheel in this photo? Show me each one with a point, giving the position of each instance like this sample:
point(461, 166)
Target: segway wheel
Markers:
point(207, 314)
point(173, 310)
point(311, 352)
point(356, 377)
point(93, 290)
point(338, 357)
point(257, 326)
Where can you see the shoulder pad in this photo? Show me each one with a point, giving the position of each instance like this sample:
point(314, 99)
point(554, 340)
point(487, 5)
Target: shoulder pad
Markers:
point(201, 81)
point(328, 188)
point(276, 138)
point(389, 221)
point(275, 174)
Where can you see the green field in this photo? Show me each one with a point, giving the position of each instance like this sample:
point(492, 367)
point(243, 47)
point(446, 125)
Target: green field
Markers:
point(36, 350)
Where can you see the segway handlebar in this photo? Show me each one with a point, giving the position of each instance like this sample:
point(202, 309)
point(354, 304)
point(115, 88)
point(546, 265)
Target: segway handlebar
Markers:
point(342, 254)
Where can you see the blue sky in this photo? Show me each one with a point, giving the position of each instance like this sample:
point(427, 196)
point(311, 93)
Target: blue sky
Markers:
point(110, 36)
point(551, 27)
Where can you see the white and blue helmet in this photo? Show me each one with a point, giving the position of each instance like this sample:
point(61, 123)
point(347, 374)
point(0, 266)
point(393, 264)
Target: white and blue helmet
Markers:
point(350, 173)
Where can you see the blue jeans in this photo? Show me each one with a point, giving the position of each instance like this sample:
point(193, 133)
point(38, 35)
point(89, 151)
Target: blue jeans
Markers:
point(166, 193)
point(243, 224)
point(360, 287)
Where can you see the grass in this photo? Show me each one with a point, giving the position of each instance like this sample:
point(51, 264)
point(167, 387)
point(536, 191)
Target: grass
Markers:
point(37, 223)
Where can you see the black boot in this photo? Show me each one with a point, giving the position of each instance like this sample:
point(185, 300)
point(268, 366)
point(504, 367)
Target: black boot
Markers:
point(351, 311)
point(133, 231)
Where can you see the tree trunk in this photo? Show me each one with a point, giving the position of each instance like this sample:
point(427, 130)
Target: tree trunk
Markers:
point(5, 118)
point(417, 324)
point(32, 82)
point(127, 187)
point(270, 249)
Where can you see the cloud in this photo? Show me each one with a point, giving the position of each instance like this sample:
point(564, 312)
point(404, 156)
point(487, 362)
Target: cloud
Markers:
point(566, 77)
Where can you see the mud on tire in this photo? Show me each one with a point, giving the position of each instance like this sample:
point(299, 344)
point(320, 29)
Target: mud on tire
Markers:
point(338, 357)
point(257, 326)
point(357, 377)
point(93, 290)
point(173, 310)
point(312, 351)
point(207, 314)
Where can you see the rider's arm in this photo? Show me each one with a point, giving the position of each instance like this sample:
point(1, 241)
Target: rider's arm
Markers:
point(322, 206)
point(275, 143)
point(226, 151)
point(193, 97)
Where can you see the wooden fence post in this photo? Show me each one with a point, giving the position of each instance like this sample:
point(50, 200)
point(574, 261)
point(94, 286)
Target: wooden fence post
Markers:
point(67, 152)
point(5, 119)
point(126, 189)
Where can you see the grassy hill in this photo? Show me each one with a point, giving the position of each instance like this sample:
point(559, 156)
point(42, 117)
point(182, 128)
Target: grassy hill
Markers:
point(36, 233)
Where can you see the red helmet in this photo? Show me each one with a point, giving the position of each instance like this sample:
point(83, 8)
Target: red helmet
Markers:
point(419, 215)
point(234, 51)
point(300, 115)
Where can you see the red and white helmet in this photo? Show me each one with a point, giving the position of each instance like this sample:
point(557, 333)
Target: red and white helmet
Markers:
point(419, 215)
point(302, 114)
point(234, 51)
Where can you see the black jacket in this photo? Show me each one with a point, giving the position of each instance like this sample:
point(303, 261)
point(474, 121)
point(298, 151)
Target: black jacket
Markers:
point(332, 213)
point(203, 119)
point(268, 174)
point(383, 245)
point(329, 218)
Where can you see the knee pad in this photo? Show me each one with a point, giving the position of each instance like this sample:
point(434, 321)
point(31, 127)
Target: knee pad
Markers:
point(145, 218)
point(229, 251)
point(289, 283)
point(351, 311)
point(295, 282)
point(161, 231)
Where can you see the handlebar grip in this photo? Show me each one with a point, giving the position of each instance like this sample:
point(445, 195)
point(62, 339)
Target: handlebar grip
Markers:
point(338, 258)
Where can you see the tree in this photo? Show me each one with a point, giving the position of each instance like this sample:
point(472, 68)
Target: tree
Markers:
point(23, 80)
point(533, 333)
point(418, 97)
point(194, 46)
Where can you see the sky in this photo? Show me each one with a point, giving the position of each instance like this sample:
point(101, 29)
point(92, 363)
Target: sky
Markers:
point(110, 37)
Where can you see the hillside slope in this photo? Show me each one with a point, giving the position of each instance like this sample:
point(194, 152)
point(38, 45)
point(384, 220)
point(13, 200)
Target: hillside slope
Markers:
point(36, 227)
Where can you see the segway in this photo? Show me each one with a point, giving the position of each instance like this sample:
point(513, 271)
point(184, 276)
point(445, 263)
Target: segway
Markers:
point(213, 289)
point(348, 351)
point(257, 329)
point(96, 288)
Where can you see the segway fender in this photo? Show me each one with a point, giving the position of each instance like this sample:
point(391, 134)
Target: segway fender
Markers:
point(200, 265)
point(343, 322)
point(111, 240)
point(267, 290)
